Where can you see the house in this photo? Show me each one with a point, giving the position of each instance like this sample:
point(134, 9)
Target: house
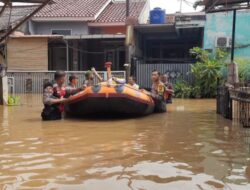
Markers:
point(93, 32)
point(165, 47)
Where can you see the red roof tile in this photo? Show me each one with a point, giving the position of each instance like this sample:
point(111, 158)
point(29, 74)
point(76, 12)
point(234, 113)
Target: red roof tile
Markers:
point(116, 12)
point(73, 9)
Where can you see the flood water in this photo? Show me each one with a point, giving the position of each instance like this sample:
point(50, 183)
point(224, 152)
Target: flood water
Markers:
point(188, 148)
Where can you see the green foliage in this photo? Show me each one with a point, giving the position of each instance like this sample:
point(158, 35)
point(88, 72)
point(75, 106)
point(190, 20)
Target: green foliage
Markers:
point(207, 70)
point(199, 54)
point(197, 4)
point(206, 75)
point(184, 90)
point(243, 69)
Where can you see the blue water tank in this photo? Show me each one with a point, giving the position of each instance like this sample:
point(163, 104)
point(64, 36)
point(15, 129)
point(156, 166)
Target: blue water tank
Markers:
point(157, 16)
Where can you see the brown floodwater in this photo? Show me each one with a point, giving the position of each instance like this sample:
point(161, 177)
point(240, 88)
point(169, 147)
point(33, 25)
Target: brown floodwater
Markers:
point(188, 148)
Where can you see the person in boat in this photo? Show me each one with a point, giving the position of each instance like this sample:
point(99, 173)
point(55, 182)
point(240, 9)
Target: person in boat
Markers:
point(132, 83)
point(72, 89)
point(158, 92)
point(169, 88)
point(51, 110)
point(73, 81)
point(89, 77)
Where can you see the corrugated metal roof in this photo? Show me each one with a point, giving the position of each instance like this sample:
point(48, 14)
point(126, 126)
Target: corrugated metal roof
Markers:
point(222, 2)
point(13, 15)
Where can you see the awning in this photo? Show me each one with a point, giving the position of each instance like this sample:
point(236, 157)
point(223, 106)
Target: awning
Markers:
point(96, 36)
point(155, 28)
point(224, 5)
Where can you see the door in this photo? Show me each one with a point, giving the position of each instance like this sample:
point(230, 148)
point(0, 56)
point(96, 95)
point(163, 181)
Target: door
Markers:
point(117, 57)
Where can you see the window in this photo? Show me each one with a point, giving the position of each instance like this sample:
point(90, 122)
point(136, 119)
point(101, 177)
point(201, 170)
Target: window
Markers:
point(95, 31)
point(61, 32)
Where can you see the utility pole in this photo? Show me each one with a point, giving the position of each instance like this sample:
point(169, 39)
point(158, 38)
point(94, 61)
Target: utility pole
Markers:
point(127, 8)
point(181, 6)
point(233, 36)
point(127, 57)
point(233, 69)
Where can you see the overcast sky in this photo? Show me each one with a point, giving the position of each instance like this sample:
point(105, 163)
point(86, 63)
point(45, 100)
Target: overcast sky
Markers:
point(172, 6)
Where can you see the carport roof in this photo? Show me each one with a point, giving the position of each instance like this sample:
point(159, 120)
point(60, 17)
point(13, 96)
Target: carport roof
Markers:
point(155, 28)
point(224, 5)
point(12, 16)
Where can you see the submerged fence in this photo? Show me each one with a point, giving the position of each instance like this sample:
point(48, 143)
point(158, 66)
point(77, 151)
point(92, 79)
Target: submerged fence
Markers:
point(241, 105)
point(234, 103)
point(224, 102)
point(175, 71)
point(32, 82)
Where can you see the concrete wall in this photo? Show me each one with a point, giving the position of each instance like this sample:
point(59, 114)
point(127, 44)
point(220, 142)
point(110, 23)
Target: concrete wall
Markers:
point(220, 24)
point(45, 28)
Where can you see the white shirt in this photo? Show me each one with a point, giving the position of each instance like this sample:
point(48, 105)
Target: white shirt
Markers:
point(135, 86)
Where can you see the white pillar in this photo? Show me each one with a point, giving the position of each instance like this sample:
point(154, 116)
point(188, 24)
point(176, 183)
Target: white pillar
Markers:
point(3, 90)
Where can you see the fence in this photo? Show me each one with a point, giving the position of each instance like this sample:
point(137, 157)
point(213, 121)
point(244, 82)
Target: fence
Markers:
point(241, 98)
point(173, 70)
point(224, 102)
point(32, 82)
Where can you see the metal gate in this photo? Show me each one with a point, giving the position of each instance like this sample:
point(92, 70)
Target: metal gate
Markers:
point(32, 82)
point(173, 70)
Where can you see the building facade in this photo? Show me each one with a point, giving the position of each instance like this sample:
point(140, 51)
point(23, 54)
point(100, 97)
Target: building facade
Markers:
point(165, 47)
point(93, 32)
point(218, 32)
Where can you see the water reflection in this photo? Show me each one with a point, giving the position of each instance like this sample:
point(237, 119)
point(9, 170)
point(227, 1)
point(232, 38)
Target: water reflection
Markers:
point(189, 147)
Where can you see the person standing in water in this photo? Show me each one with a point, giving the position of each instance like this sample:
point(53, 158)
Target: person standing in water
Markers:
point(158, 91)
point(169, 88)
point(59, 87)
point(60, 90)
point(51, 110)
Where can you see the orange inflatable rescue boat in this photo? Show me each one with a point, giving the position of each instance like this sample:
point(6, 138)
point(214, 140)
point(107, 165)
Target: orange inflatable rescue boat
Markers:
point(106, 98)
point(103, 99)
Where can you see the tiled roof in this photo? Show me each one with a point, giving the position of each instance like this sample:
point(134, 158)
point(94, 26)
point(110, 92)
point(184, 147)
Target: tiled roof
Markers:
point(116, 12)
point(88, 9)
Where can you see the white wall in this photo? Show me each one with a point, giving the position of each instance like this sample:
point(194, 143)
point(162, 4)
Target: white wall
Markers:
point(144, 16)
point(45, 28)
